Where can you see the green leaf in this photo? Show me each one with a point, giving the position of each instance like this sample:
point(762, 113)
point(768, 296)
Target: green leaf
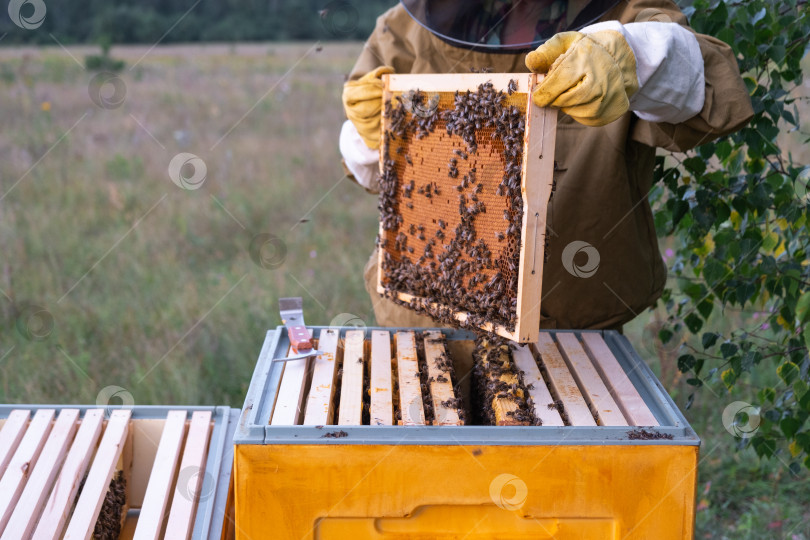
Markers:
point(728, 349)
point(803, 439)
point(714, 271)
point(749, 359)
point(803, 308)
point(763, 447)
point(788, 372)
point(729, 378)
point(693, 322)
point(694, 382)
point(789, 426)
point(800, 388)
point(804, 402)
point(709, 339)
point(806, 335)
point(767, 394)
point(705, 308)
point(686, 362)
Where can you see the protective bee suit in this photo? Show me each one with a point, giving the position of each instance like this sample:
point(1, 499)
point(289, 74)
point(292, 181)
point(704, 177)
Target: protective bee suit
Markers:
point(631, 77)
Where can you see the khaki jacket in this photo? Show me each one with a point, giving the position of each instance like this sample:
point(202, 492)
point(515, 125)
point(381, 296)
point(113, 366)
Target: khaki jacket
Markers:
point(603, 174)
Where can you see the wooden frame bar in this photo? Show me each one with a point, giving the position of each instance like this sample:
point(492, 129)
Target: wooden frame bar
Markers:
point(537, 182)
point(381, 409)
point(606, 410)
point(320, 410)
point(159, 487)
point(351, 388)
point(290, 399)
point(22, 463)
point(439, 382)
point(627, 397)
point(543, 403)
point(98, 479)
point(27, 511)
point(190, 479)
point(11, 435)
point(412, 411)
point(563, 383)
point(56, 510)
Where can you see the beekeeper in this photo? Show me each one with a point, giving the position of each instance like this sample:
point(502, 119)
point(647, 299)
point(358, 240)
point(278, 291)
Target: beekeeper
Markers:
point(627, 77)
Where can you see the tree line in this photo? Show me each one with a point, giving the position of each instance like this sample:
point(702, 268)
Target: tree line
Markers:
point(173, 21)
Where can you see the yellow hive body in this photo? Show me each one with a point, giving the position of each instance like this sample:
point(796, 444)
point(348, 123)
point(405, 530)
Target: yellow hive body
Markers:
point(612, 458)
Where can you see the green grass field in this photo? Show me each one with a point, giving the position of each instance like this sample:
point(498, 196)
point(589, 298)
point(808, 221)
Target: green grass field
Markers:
point(112, 275)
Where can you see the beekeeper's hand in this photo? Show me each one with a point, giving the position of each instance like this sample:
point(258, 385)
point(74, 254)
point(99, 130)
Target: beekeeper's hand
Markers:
point(362, 100)
point(596, 75)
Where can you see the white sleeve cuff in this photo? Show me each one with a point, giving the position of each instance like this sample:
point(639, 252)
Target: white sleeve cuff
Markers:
point(362, 161)
point(669, 68)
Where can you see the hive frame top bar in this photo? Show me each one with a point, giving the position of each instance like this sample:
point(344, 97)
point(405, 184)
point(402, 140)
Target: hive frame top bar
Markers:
point(461, 82)
point(537, 165)
point(254, 425)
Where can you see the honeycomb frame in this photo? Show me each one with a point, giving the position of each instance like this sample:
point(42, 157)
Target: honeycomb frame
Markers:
point(537, 164)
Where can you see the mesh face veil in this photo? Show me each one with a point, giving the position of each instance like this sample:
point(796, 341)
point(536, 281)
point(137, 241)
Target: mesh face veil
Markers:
point(503, 26)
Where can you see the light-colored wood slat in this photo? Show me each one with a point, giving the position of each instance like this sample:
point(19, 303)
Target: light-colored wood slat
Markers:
point(412, 412)
point(11, 435)
point(351, 385)
point(439, 381)
point(544, 406)
point(158, 489)
point(55, 513)
point(381, 387)
point(28, 508)
point(537, 182)
point(593, 388)
point(320, 409)
point(190, 478)
point(290, 399)
point(563, 383)
point(620, 386)
point(22, 463)
point(432, 82)
point(98, 479)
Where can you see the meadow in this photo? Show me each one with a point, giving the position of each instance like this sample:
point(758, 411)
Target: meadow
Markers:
point(111, 275)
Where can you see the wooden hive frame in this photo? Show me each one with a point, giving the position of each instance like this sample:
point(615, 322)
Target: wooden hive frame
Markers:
point(56, 468)
point(536, 189)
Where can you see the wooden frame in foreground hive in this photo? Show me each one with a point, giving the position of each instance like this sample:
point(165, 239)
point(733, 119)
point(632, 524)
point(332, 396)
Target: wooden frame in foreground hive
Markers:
point(536, 185)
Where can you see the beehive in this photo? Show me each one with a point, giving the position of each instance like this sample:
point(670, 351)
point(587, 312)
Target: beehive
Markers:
point(466, 175)
point(310, 462)
point(142, 472)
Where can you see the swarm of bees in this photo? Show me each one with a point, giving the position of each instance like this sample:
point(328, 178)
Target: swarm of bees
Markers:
point(108, 525)
point(499, 392)
point(456, 269)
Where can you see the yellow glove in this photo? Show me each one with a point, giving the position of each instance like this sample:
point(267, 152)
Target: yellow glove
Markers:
point(362, 100)
point(589, 76)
